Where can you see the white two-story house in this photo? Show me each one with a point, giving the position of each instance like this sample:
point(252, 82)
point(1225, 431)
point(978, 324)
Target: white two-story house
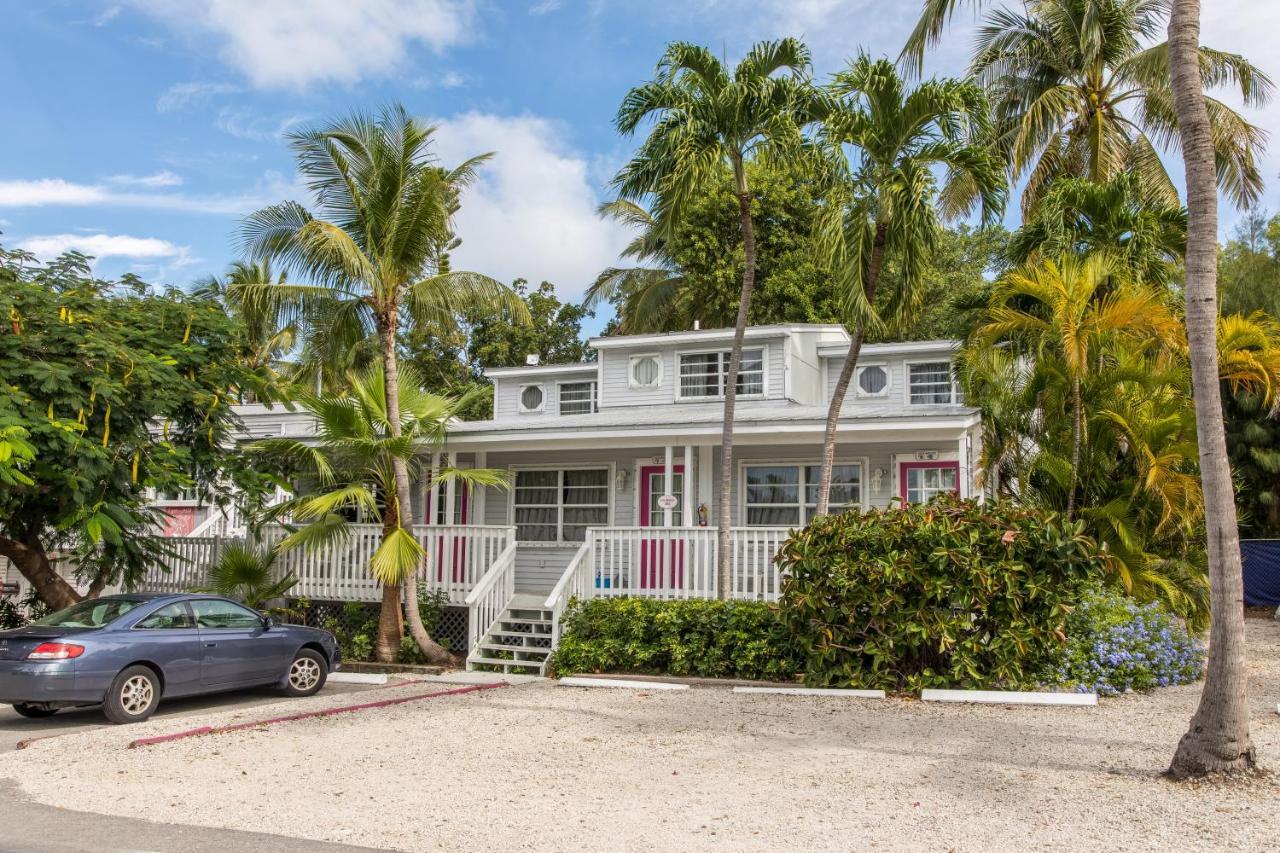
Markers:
point(614, 468)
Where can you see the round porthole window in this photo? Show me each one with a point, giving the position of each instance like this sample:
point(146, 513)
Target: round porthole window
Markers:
point(531, 398)
point(645, 371)
point(872, 380)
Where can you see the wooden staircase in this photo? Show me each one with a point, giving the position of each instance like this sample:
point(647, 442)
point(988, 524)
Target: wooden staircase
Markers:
point(519, 641)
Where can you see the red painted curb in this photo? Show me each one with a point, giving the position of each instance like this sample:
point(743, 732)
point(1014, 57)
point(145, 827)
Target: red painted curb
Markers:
point(306, 715)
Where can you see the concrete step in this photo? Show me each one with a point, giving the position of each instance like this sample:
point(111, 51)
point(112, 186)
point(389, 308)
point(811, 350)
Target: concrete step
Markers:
point(504, 662)
point(501, 647)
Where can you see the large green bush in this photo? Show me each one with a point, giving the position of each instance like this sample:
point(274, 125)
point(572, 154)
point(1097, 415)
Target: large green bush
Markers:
point(945, 594)
point(712, 639)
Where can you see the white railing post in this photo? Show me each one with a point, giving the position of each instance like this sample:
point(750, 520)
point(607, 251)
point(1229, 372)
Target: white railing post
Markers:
point(577, 581)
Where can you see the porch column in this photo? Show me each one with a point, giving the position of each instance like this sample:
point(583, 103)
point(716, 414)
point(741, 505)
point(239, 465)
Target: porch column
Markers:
point(706, 471)
point(686, 499)
point(450, 489)
point(433, 496)
point(479, 492)
point(963, 472)
point(667, 481)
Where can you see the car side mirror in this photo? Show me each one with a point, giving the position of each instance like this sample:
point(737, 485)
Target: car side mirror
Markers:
point(268, 623)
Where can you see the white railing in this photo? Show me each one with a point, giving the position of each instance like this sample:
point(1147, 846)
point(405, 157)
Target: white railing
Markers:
point(680, 562)
point(491, 597)
point(458, 555)
point(188, 567)
point(576, 582)
point(338, 571)
point(222, 521)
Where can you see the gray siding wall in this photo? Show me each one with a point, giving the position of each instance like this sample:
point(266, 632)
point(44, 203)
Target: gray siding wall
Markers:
point(507, 390)
point(616, 390)
point(897, 392)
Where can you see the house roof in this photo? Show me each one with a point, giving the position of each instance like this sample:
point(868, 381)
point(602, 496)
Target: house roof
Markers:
point(936, 347)
point(706, 335)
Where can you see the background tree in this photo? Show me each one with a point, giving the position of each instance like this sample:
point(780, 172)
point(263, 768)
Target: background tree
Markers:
point(93, 368)
point(1249, 266)
point(268, 327)
point(375, 256)
point(887, 142)
point(704, 120)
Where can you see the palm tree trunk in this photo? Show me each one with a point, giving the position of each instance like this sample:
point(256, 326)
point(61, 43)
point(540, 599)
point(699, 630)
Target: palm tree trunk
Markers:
point(846, 374)
point(1217, 739)
point(724, 516)
point(1077, 438)
point(434, 652)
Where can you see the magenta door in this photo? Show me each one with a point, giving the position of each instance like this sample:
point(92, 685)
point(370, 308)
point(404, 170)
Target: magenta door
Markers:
point(454, 547)
point(920, 481)
point(661, 557)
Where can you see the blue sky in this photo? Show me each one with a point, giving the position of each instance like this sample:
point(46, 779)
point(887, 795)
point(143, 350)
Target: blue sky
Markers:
point(141, 131)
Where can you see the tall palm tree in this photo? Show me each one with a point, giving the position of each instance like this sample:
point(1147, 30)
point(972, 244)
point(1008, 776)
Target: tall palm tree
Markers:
point(1072, 308)
point(1080, 91)
point(1217, 739)
point(885, 206)
point(1080, 215)
point(270, 325)
point(646, 295)
point(375, 253)
point(354, 460)
point(706, 119)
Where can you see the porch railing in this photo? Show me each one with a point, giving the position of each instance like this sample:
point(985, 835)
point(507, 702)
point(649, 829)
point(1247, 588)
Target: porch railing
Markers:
point(458, 555)
point(668, 563)
point(491, 596)
point(192, 557)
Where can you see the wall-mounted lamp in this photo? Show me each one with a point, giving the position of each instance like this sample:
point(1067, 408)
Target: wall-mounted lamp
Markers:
point(877, 479)
point(621, 478)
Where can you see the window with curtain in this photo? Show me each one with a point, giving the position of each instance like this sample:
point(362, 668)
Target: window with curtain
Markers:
point(930, 383)
point(559, 505)
point(774, 497)
point(873, 381)
point(577, 398)
point(531, 398)
point(703, 374)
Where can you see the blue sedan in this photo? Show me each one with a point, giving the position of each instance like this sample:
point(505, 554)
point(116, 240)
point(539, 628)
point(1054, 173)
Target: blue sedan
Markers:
point(126, 652)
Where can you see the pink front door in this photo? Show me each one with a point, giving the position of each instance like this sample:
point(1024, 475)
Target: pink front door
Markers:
point(661, 559)
point(920, 481)
point(460, 515)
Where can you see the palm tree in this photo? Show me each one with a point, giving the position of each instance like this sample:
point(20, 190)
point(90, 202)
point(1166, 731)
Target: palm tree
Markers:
point(1077, 93)
point(376, 255)
point(885, 201)
point(646, 295)
point(1080, 215)
point(355, 458)
point(1072, 308)
point(246, 573)
point(1217, 738)
point(705, 120)
point(269, 325)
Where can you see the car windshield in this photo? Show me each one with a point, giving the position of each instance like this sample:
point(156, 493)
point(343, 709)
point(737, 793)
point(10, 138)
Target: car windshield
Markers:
point(93, 613)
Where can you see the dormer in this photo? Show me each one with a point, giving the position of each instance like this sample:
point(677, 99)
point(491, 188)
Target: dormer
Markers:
point(540, 390)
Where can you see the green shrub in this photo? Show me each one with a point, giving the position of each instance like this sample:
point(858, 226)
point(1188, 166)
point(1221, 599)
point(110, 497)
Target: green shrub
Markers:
point(1115, 644)
point(711, 639)
point(945, 594)
point(356, 631)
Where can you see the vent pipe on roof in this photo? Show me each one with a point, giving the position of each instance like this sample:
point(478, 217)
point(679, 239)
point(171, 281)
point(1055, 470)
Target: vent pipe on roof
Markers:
point(532, 359)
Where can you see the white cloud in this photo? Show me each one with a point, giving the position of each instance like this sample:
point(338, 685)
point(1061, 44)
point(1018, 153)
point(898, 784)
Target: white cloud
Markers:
point(56, 192)
point(105, 246)
point(157, 180)
point(106, 16)
point(243, 124)
point(293, 45)
point(544, 7)
point(532, 214)
point(182, 95)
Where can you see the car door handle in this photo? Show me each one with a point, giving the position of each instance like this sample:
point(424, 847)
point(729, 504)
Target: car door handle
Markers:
point(210, 645)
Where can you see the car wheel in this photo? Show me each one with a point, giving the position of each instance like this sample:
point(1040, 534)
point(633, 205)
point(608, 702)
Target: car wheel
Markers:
point(34, 712)
point(133, 696)
point(307, 673)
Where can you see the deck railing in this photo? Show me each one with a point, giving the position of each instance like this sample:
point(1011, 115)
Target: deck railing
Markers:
point(671, 562)
point(576, 582)
point(189, 564)
point(491, 596)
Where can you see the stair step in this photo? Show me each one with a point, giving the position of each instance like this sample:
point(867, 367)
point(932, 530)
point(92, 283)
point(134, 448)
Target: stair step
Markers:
point(525, 664)
point(537, 635)
point(501, 647)
point(511, 620)
point(519, 641)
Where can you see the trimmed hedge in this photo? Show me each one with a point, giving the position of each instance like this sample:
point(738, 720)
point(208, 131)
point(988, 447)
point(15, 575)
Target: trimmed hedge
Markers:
point(710, 639)
point(945, 594)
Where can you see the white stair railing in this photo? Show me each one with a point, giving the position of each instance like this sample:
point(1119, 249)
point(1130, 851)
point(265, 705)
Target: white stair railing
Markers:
point(491, 597)
point(576, 582)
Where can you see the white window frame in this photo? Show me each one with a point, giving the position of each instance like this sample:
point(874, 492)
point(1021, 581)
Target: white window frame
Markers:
point(560, 541)
point(939, 456)
point(888, 380)
point(594, 403)
point(864, 468)
point(631, 365)
point(541, 407)
point(906, 380)
point(764, 373)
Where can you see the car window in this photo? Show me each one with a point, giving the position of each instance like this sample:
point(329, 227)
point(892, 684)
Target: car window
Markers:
point(170, 616)
point(93, 613)
point(212, 613)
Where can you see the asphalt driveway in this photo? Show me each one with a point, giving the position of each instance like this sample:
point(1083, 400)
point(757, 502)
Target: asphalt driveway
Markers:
point(14, 728)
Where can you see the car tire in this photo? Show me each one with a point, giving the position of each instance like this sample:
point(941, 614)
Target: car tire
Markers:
point(34, 712)
point(307, 673)
point(133, 696)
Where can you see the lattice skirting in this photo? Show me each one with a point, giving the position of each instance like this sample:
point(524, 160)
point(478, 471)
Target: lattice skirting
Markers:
point(350, 616)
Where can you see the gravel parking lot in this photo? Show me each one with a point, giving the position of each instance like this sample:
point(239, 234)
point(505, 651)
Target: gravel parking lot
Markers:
point(535, 766)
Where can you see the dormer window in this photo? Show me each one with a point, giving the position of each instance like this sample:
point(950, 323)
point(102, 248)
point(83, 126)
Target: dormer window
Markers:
point(532, 398)
point(645, 372)
point(929, 383)
point(577, 398)
point(703, 374)
point(873, 381)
